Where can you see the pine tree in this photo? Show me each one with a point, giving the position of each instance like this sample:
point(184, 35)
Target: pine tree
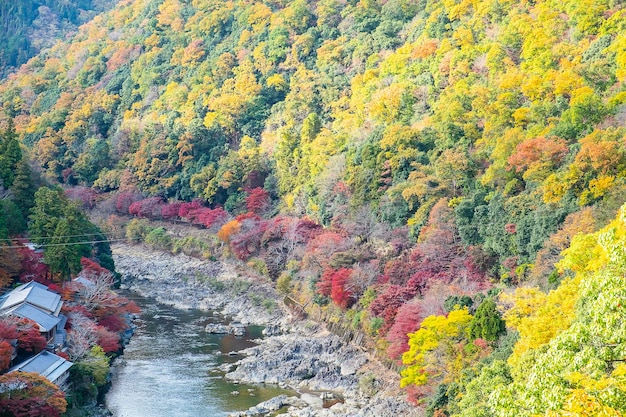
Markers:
point(23, 188)
point(58, 223)
point(12, 222)
point(487, 322)
point(10, 155)
point(4, 231)
point(60, 256)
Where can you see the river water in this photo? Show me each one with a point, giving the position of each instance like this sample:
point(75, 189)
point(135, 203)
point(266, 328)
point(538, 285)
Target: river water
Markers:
point(169, 368)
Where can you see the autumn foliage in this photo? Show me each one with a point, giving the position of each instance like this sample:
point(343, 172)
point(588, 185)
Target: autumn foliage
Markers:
point(108, 340)
point(258, 200)
point(148, 207)
point(336, 285)
point(8, 335)
point(124, 200)
point(28, 394)
point(408, 319)
point(414, 152)
point(228, 230)
point(29, 338)
point(33, 266)
point(6, 352)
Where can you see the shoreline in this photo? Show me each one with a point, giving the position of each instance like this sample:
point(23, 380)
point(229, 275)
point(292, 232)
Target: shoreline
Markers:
point(298, 354)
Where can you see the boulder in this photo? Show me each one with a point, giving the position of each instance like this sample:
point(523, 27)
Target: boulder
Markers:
point(272, 330)
point(237, 329)
point(216, 328)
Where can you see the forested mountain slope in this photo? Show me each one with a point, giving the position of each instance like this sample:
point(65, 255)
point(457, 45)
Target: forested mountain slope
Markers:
point(514, 106)
point(28, 26)
point(450, 150)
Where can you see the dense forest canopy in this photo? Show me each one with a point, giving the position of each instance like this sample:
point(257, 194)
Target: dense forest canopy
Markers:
point(28, 26)
point(506, 107)
point(416, 160)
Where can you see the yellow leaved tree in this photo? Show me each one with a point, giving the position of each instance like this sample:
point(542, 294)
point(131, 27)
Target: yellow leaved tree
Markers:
point(436, 348)
point(569, 358)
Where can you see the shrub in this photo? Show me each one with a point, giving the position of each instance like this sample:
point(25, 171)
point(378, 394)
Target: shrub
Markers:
point(136, 230)
point(238, 286)
point(214, 284)
point(255, 299)
point(284, 284)
point(368, 384)
point(191, 246)
point(124, 201)
point(259, 266)
point(269, 304)
point(159, 239)
point(228, 230)
point(148, 207)
point(375, 324)
point(334, 283)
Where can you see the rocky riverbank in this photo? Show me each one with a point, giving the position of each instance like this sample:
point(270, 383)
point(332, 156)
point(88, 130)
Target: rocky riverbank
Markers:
point(309, 359)
point(300, 354)
point(185, 282)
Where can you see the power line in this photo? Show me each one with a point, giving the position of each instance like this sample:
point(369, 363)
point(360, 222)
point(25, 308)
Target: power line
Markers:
point(45, 245)
point(54, 237)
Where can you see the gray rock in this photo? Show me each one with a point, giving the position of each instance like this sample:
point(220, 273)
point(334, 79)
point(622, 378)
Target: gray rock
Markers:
point(216, 328)
point(272, 330)
point(226, 367)
point(351, 365)
point(237, 329)
point(312, 401)
point(273, 404)
point(301, 360)
point(185, 282)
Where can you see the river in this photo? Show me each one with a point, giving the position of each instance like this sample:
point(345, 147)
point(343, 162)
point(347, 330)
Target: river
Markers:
point(169, 368)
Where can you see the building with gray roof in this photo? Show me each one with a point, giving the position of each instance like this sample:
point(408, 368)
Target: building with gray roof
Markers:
point(35, 294)
point(35, 302)
point(45, 321)
point(52, 367)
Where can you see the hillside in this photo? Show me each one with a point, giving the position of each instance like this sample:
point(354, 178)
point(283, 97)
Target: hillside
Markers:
point(29, 26)
point(412, 168)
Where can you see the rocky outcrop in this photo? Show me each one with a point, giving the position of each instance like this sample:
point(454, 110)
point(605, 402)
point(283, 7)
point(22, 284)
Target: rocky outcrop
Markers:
point(309, 359)
point(269, 406)
point(235, 328)
point(272, 330)
point(314, 362)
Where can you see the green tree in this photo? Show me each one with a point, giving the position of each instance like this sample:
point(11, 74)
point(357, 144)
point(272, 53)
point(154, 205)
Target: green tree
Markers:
point(58, 254)
point(12, 221)
point(475, 401)
point(48, 209)
point(10, 155)
point(92, 160)
point(487, 322)
point(95, 364)
point(63, 228)
point(88, 374)
point(23, 188)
